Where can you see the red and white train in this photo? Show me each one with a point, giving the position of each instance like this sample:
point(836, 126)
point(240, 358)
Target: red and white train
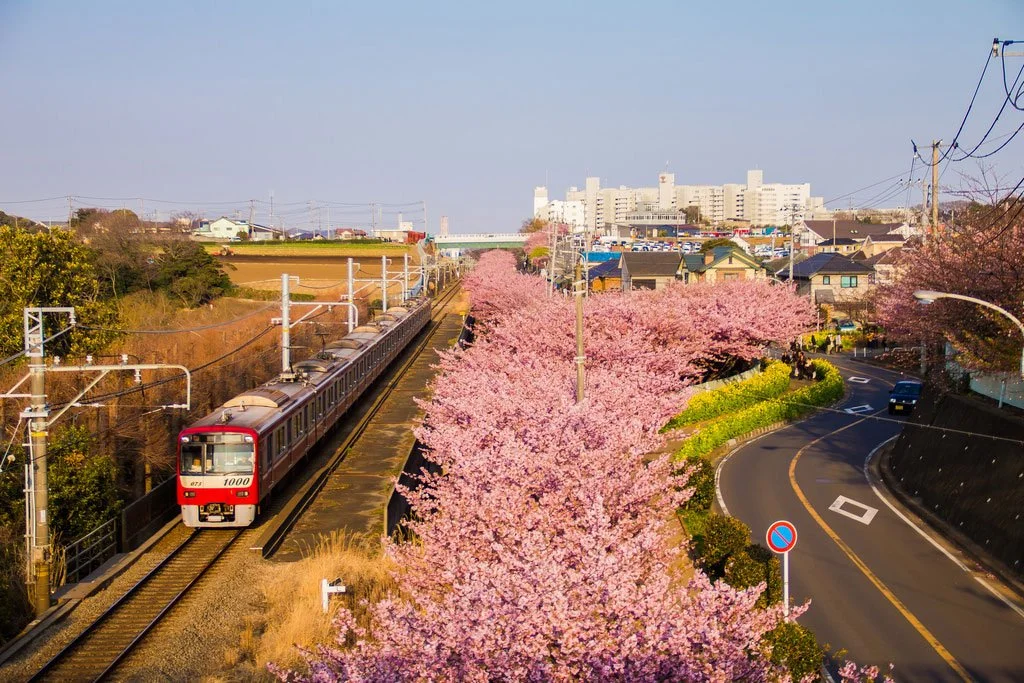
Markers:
point(230, 460)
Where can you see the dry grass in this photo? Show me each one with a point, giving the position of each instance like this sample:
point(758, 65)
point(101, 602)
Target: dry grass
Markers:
point(293, 614)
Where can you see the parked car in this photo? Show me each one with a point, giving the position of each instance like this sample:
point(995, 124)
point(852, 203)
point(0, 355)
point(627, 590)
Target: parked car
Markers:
point(904, 396)
point(846, 326)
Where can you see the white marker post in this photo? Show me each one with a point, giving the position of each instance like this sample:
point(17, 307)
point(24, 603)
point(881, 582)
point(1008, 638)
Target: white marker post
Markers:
point(781, 537)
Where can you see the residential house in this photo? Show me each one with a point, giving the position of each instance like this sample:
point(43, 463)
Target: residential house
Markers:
point(228, 229)
point(830, 278)
point(605, 277)
point(740, 242)
point(720, 264)
point(873, 246)
point(840, 245)
point(885, 264)
point(810, 234)
point(648, 270)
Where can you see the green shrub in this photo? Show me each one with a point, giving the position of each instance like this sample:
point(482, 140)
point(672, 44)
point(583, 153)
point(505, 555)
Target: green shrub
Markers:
point(269, 294)
point(794, 647)
point(753, 565)
point(735, 396)
point(826, 390)
point(702, 481)
point(722, 536)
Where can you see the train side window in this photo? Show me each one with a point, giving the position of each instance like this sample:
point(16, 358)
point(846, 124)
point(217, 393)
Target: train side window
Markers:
point(266, 449)
point(279, 440)
point(291, 430)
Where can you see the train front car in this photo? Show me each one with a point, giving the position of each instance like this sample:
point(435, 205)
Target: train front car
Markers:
point(217, 477)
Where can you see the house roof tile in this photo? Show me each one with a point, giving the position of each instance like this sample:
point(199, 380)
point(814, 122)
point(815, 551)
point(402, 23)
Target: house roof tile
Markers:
point(651, 264)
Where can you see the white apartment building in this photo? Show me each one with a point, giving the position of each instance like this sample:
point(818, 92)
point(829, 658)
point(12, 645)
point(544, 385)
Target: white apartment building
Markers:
point(756, 201)
point(569, 212)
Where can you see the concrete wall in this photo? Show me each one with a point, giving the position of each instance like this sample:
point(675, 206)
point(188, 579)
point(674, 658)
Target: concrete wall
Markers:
point(973, 483)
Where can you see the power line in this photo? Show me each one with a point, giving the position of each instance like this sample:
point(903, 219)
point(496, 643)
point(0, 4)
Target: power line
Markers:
point(180, 330)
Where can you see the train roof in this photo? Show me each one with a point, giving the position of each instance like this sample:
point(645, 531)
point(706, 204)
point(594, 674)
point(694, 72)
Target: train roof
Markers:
point(269, 401)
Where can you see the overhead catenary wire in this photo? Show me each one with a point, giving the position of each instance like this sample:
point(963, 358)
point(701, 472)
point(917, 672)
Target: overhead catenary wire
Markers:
point(183, 330)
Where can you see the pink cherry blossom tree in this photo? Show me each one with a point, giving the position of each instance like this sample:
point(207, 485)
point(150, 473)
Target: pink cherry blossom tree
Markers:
point(545, 547)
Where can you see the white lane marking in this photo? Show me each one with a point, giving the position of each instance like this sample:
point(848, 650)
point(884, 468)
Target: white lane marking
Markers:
point(858, 380)
point(721, 464)
point(990, 589)
point(864, 517)
point(928, 538)
point(857, 410)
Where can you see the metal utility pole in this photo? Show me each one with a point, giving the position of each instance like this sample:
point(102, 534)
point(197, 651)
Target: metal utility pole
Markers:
point(580, 357)
point(383, 284)
point(38, 415)
point(924, 203)
point(351, 293)
point(405, 276)
point(286, 331)
point(935, 186)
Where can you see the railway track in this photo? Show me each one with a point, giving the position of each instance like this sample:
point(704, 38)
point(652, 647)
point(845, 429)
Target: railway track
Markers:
point(98, 650)
point(95, 653)
point(273, 539)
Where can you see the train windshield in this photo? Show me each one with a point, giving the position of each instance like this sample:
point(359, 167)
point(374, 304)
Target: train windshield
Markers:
point(221, 453)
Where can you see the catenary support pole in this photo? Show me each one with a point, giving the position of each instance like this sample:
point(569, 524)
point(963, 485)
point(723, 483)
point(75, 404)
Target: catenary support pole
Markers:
point(405, 277)
point(351, 294)
point(286, 341)
point(384, 284)
point(37, 431)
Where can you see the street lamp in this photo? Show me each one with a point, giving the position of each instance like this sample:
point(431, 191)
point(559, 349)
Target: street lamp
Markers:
point(925, 296)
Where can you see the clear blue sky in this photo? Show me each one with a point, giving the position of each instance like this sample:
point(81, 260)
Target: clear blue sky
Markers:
point(469, 105)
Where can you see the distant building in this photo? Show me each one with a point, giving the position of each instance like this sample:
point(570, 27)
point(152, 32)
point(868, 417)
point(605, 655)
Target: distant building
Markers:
point(755, 202)
point(830, 278)
point(812, 235)
point(225, 228)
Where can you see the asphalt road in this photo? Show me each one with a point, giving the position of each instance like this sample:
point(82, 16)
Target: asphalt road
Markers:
point(879, 588)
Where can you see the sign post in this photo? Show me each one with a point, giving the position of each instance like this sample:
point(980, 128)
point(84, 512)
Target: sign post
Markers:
point(781, 538)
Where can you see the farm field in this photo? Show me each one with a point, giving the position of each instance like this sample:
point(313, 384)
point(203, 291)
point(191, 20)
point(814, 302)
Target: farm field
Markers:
point(323, 276)
point(312, 248)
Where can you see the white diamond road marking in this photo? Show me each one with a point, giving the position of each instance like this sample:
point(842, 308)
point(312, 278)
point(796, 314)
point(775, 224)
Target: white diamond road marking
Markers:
point(864, 517)
point(857, 410)
point(859, 380)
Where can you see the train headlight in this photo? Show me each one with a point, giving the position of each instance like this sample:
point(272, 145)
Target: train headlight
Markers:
point(247, 438)
point(242, 494)
point(190, 494)
point(185, 439)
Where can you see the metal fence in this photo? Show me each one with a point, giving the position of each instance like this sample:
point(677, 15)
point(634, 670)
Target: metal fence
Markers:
point(146, 515)
point(88, 553)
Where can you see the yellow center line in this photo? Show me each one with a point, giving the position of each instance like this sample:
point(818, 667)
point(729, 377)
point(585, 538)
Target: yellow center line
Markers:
point(882, 588)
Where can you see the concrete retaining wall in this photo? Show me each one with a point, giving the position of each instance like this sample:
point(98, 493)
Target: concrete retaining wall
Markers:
point(972, 482)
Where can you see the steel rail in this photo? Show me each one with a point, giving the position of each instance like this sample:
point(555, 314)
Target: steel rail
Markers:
point(98, 660)
point(306, 497)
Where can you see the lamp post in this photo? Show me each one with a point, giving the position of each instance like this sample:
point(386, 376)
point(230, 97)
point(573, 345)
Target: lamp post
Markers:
point(927, 296)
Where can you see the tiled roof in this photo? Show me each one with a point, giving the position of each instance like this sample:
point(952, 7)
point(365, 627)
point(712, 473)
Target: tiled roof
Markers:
point(651, 264)
point(838, 242)
point(825, 263)
point(851, 229)
point(605, 269)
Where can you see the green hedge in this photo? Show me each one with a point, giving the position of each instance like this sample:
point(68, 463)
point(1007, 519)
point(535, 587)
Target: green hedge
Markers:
point(794, 646)
point(827, 389)
point(734, 396)
point(702, 481)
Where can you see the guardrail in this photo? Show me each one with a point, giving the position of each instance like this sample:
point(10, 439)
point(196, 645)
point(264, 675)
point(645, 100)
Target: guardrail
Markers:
point(86, 554)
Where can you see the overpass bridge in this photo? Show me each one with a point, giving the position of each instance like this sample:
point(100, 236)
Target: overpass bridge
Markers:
point(490, 240)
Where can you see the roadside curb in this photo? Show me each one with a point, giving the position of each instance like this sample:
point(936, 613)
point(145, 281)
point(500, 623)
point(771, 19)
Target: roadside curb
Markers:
point(76, 593)
point(880, 467)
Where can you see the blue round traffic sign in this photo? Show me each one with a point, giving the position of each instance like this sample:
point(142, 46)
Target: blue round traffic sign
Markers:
point(781, 536)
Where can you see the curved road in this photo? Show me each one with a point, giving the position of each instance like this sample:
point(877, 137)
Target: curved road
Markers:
point(880, 587)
